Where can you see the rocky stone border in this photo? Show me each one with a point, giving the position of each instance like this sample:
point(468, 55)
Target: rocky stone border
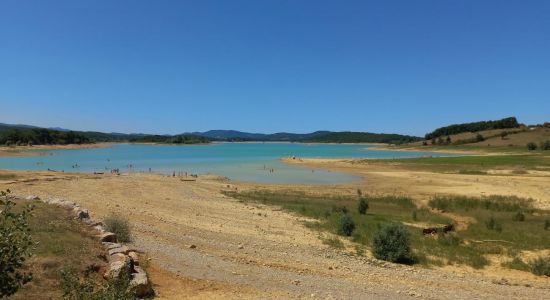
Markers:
point(121, 257)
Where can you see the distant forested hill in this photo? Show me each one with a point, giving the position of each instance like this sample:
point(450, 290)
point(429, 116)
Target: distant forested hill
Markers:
point(510, 122)
point(363, 137)
point(25, 135)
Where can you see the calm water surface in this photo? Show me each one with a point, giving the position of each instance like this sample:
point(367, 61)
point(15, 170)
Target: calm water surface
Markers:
point(238, 161)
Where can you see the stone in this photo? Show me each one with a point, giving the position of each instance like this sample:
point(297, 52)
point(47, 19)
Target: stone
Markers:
point(116, 268)
point(108, 237)
point(32, 198)
point(134, 256)
point(81, 213)
point(121, 249)
point(192, 246)
point(141, 283)
point(118, 257)
point(241, 246)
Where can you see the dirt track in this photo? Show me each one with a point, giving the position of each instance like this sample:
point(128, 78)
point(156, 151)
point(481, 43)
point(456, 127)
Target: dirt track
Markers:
point(248, 251)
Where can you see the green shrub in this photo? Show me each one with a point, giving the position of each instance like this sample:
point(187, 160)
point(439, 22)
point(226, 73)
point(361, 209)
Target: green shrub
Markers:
point(118, 288)
point(540, 266)
point(516, 264)
point(492, 224)
point(414, 216)
point(363, 206)
point(15, 246)
point(546, 224)
point(392, 243)
point(531, 146)
point(346, 226)
point(545, 145)
point(519, 217)
point(493, 203)
point(340, 209)
point(120, 226)
point(451, 239)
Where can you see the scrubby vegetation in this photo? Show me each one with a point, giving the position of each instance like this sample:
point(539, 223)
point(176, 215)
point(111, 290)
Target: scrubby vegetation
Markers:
point(392, 243)
point(120, 226)
point(75, 288)
point(176, 139)
point(493, 231)
point(362, 206)
point(59, 241)
point(540, 266)
point(346, 226)
point(473, 127)
point(15, 245)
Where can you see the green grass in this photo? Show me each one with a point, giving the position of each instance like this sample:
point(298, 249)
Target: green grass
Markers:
point(467, 247)
point(61, 241)
point(514, 235)
point(517, 264)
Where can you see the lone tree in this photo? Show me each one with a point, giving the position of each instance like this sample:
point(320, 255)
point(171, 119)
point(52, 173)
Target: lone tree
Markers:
point(531, 146)
point(15, 246)
point(363, 206)
point(392, 243)
point(346, 226)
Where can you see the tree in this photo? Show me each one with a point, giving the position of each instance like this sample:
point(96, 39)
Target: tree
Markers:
point(531, 146)
point(448, 140)
point(503, 135)
point(479, 138)
point(545, 145)
point(392, 243)
point(15, 246)
point(346, 226)
point(363, 206)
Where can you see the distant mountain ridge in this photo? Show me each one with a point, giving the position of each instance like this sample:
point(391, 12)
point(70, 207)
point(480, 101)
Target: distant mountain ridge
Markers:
point(234, 135)
point(24, 133)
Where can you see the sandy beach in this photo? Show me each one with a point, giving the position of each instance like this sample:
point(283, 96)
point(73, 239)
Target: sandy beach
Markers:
point(23, 150)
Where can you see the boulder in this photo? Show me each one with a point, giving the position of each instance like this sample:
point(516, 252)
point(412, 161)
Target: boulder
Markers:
point(134, 256)
point(81, 213)
point(108, 237)
point(116, 269)
point(121, 249)
point(141, 283)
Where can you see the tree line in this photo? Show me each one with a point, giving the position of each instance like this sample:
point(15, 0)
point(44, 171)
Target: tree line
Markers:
point(510, 122)
point(41, 136)
point(363, 137)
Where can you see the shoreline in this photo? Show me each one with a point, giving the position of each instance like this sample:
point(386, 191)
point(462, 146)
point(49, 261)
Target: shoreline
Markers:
point(29, 150)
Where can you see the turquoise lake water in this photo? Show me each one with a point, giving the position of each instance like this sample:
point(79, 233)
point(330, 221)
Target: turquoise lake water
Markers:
point(237, 161)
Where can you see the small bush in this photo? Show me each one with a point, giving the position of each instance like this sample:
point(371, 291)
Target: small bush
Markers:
point(545, 145)
point(492, 224)
point(392, 243)
point(540, 266)
point(516, 264)
point(346, 226)
point(451, 239)
point(115, 288)
point(363, 206)
point(120, 226)
point(340, 209)
point(531, 146)
point(519, 217)
point(15, 246)
point(414, 216)
point(546, 224)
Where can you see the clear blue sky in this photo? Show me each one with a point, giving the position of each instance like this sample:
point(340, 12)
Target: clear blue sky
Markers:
point(268, 66)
